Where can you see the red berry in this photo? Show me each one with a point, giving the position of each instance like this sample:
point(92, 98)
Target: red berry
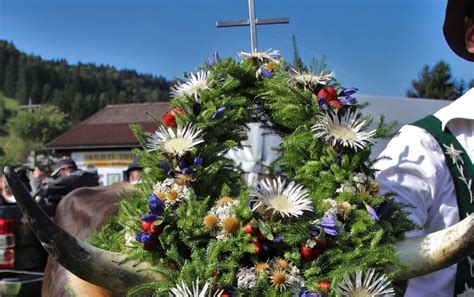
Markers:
point(307, 253)
point(147, 226)
point(248, 228)
point(169, 119)
point(324, 286)
point(257, 247)
point(225, 294)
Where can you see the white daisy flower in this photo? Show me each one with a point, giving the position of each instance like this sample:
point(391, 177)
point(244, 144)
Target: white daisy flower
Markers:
point(346, 132)
point(196, 82)
point(263, 57)
point(272, 196)
point(184, 291)
point(310, 79)
point(246, 278)
point(176, 143)
point(372, 285)
point(170, 192)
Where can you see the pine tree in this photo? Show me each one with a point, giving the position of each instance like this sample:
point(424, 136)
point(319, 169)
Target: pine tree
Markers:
point(436, 83)
point(11, 76)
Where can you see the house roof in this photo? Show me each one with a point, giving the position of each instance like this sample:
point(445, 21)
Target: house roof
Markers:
point(109, 128)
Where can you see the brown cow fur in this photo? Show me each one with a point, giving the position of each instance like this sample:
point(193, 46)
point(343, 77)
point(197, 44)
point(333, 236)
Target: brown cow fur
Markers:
point(80, 213)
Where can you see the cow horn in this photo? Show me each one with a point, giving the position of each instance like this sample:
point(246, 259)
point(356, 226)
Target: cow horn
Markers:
point(100, 267)
point(436, 250)
point(421, 255)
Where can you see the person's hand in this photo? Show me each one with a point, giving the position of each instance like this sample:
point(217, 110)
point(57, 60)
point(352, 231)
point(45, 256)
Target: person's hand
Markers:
point(37, 172)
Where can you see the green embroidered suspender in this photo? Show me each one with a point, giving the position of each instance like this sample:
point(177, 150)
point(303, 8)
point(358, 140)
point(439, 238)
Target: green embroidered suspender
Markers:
point(462, 171)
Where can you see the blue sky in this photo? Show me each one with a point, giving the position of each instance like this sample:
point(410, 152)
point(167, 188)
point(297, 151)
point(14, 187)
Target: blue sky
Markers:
point(376, 45)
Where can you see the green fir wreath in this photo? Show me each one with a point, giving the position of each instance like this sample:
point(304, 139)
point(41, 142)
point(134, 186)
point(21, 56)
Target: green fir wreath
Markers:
point(319, 228)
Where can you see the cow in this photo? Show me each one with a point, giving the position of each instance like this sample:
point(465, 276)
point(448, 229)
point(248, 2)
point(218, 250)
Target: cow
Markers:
point(80, 213)
point(421, 255)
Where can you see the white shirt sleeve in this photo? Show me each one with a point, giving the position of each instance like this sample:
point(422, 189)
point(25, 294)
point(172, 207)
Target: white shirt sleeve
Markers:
point(415, 171)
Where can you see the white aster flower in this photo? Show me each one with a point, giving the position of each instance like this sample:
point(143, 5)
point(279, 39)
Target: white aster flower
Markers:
point(346, 187)
point(262, 57)
point(295, 279)
point(184, 291)
point(346, 132)
point(468, 292)
point(176, 143)
point(310, 79)
point(246, 278)
point(171, 192)
point(196, 82)
point(371, 285)
point(272, 196)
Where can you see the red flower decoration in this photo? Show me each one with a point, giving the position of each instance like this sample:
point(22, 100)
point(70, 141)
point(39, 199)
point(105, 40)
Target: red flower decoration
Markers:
point(169, 119)
point(330, 96)
point(248, 229)
point(309, 254)
point(324, 286)
point(147, 226)
point(257, 247)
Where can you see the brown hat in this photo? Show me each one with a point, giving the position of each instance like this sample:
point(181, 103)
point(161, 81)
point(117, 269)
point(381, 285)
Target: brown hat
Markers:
point(453, 28)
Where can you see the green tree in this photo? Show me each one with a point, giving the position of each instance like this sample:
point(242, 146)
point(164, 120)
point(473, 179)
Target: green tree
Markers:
point(29, 131)
point(436, 83)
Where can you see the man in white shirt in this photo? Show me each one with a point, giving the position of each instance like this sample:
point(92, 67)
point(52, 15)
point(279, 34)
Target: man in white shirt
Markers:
point(430, 166)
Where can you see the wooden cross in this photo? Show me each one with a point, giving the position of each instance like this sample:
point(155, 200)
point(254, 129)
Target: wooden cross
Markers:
point(252, 22)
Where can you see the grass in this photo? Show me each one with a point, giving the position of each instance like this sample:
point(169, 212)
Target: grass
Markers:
point(10, 103)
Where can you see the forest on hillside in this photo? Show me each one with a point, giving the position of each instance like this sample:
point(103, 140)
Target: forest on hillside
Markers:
point(77, 90)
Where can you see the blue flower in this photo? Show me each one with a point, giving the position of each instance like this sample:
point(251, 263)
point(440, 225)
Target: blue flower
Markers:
point(139, 236)
point(327, 225)
point(166, 168)
point(212, 60)
point(265, 72)
point(218, 113)
point(198, 160)
point(347, 92)
point(147, 238)
point(278, 238)
point(349, 100)
point(156, 205)
point(307, 293)
point(322, 103)
point(182, 164)
point(372, 212)
point(314, 231)
point(382, 209)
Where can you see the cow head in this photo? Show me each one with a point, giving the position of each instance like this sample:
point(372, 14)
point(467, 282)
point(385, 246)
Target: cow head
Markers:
point(421, 255)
